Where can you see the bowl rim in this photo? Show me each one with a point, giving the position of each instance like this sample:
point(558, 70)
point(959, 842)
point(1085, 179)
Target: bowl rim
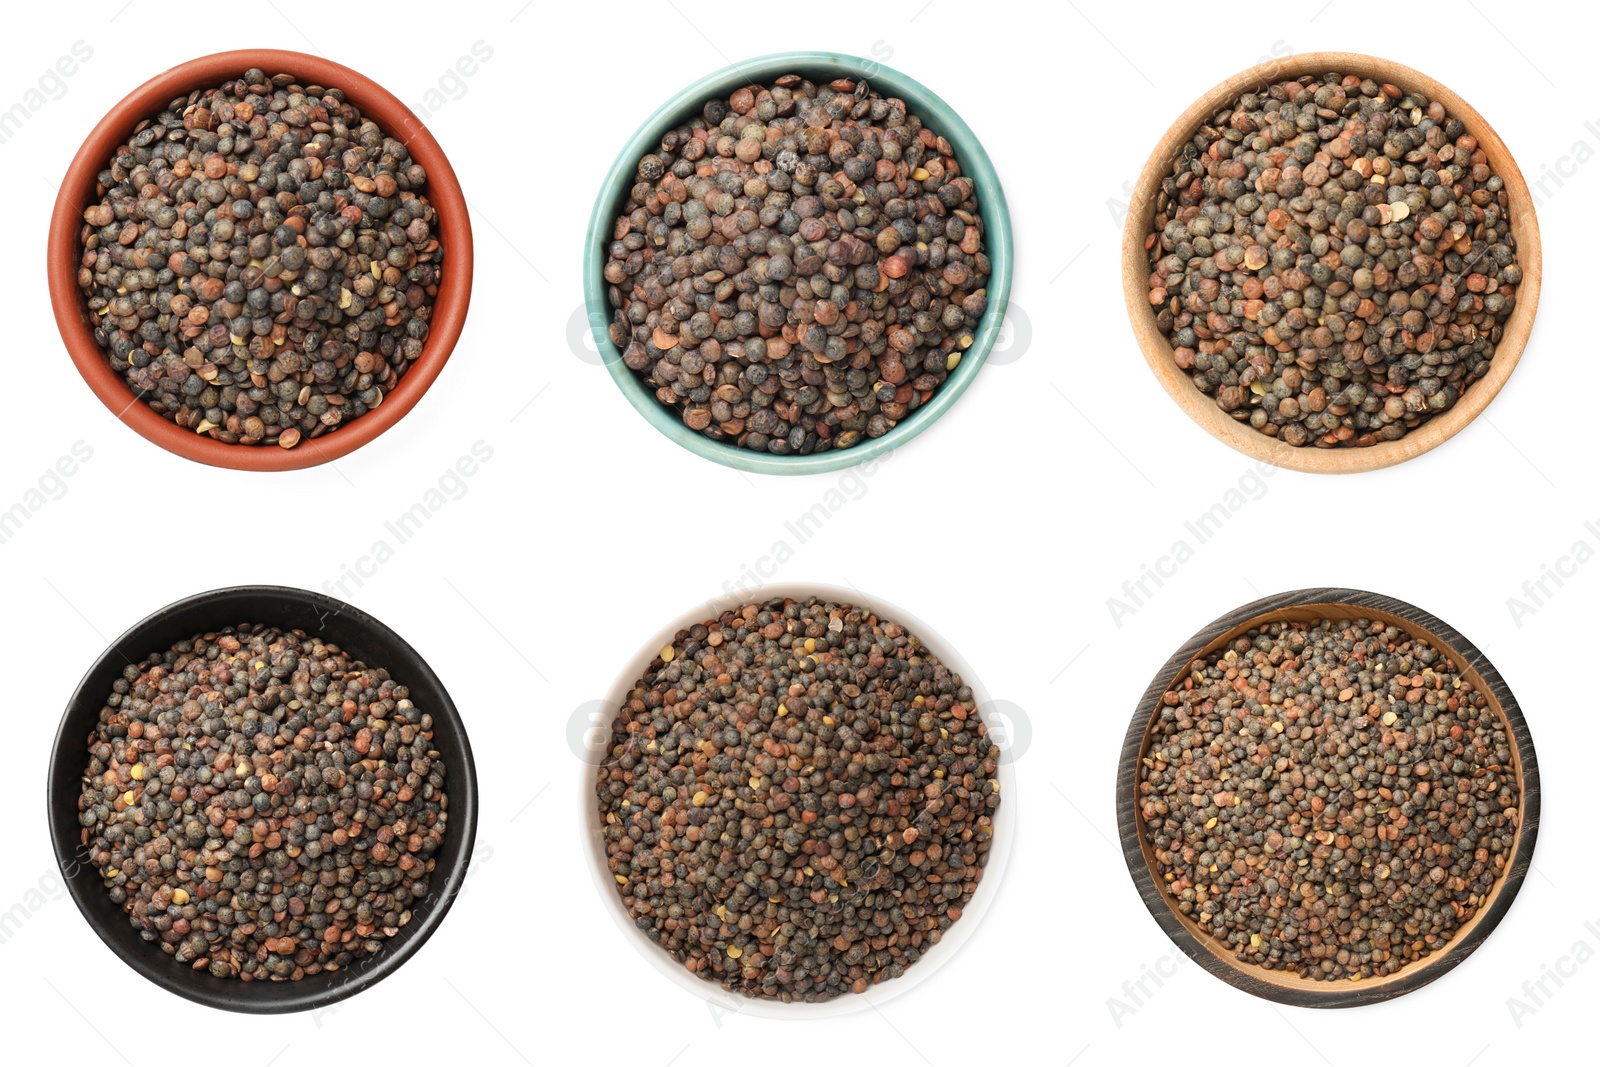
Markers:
point(921, 101)
point(1304, 992)
point(238, 997)
point(76, 190)
point(1241, 436)
point(721, 1000)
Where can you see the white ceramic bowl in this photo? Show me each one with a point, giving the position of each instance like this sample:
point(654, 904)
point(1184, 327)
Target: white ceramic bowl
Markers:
point(596, 744)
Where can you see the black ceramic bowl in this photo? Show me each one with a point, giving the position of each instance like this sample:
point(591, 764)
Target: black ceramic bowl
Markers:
point(364, 638)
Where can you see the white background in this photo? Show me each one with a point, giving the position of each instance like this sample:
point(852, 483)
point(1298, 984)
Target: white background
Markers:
point(1062, 472)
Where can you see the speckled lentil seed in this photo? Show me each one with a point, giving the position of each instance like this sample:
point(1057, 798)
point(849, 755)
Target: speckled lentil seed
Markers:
point(798, 800)
point(1332, 260)
point(261, 805)
point(1334, 800)
point(798, 268)
point(261, 265)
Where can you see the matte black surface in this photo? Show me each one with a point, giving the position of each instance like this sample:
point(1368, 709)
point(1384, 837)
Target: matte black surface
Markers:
point(1308, 993)
point(365, 638)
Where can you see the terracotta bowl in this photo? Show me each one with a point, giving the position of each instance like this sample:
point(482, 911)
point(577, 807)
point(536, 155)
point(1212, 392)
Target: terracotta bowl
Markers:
point(78, 191)
point(362, 636)
point(596, 744)
point(1202, 408)
point(1305, 605)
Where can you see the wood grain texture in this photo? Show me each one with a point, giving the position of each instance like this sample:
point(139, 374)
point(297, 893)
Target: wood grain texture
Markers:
point(1304, 605)
point(1202, 408)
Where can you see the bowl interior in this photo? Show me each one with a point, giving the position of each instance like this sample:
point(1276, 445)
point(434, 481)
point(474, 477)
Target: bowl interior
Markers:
point(818, 67)
point(596, 749)
point(1477, 671)
point(77, 191)
point(351, 629)
point(1239, 435)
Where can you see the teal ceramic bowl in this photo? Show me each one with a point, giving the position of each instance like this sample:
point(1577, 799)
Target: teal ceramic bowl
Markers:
point(818, 67)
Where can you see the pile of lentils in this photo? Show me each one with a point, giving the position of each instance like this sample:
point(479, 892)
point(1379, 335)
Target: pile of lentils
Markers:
point(1333, 800)
point(1332, 260)
point(798, 268)
point(261, 265)
point(262, 805)
point(798, 800)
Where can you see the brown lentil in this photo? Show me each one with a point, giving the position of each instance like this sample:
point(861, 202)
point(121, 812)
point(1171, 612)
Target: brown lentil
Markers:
point(260, 264)
point(798, 800)
point(1349, 232)
point(1331, 799)
point(262, 805)
point(799, 267)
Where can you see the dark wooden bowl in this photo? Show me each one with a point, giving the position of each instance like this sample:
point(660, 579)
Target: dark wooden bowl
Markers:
point(1305, 605)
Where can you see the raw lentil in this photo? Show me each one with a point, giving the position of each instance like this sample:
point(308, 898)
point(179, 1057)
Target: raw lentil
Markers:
point(1333, 800)
point(262, 805)
point(261, 264)
point(798, 802)
point(797, 268)
point(1332, 260)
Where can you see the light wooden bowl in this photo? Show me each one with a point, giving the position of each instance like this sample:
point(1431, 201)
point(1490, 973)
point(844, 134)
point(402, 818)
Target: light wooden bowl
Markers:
point(1202, 408)
point(1305, 605)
